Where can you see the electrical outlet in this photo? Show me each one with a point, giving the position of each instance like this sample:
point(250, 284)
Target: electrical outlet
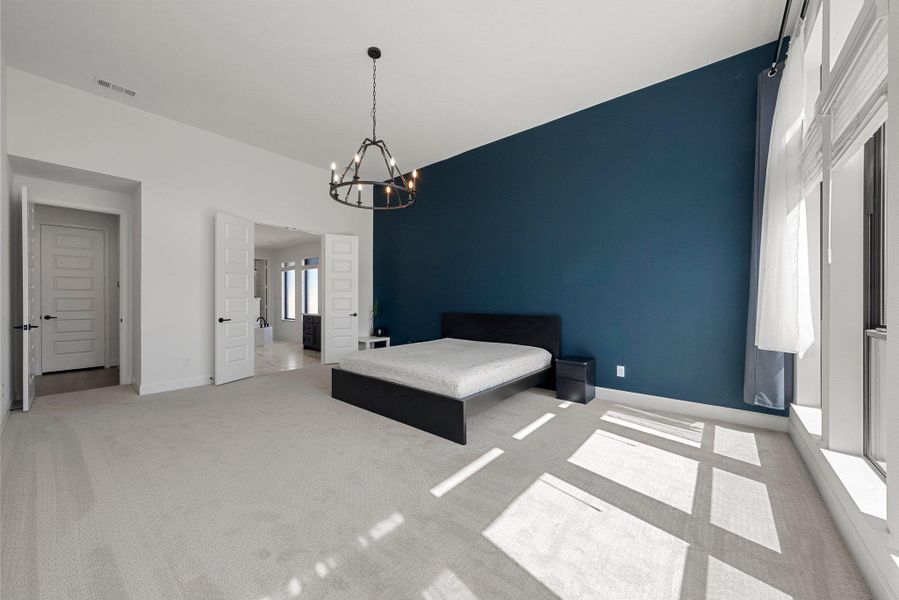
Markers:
point(620, 371)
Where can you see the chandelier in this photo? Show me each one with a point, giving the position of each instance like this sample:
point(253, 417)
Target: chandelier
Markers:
point(347, 187)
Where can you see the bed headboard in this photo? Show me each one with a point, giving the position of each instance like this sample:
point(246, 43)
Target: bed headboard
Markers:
point(541, 331)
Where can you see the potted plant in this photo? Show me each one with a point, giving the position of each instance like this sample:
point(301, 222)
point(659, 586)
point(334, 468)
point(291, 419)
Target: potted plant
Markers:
point(375, 311)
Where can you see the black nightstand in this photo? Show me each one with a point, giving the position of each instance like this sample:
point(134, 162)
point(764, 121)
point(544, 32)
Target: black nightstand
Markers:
point(575, 378)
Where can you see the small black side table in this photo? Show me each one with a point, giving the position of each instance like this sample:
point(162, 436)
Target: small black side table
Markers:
point(576, 378)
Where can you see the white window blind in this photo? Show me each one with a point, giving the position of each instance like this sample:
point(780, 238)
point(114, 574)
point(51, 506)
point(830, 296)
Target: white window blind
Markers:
point(856, 95)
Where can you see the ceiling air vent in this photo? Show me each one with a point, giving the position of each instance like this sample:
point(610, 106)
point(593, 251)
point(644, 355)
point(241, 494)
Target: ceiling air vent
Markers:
point(115, 87)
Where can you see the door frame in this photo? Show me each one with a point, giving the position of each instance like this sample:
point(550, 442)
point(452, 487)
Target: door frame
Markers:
point(106, 287)
point(125, 282)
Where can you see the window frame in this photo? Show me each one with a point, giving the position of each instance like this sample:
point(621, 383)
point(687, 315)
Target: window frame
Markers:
point(287, 267)
point(310, 264)
point(875, 241)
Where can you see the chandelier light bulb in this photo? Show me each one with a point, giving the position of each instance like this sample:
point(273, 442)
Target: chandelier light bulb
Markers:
point(392, 162)
point(356, 158)
point(333, 166)
point(387, 190)
point(414, 174)
point(360, 187)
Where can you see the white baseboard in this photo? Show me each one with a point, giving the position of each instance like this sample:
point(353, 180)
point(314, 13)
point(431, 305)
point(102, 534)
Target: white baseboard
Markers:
point(695, 409)
point(868, 545)
point(172, 385)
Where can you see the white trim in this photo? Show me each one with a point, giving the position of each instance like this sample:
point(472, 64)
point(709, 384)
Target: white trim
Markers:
point(695, 409)
point(868, 545)
point(125, 291)
point(173, 384)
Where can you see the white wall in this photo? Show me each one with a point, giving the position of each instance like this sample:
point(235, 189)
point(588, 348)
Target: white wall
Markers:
point(846, 323)
point(808, 367)
point(186, 175)
point(109, 224)
point(892, 371)
point(136, 261)
point(266, 255)
point(6, 330)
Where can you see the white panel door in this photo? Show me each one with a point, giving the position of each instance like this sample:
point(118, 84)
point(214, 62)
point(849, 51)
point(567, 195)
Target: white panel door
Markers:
point(73, 298)
point(30, 315)
point(235, 348)
point(340, 315)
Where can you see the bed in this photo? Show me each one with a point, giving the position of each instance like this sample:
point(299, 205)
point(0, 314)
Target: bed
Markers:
point(480, 360)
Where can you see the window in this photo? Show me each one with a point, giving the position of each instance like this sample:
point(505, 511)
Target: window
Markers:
point(310, 286)
point(288, 291)
point(875, 300)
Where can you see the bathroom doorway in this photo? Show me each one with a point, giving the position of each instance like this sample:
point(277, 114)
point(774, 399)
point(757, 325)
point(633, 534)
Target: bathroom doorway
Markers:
point(286, 274)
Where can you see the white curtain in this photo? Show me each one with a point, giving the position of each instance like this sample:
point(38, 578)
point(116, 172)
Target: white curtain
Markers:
point(784, 317)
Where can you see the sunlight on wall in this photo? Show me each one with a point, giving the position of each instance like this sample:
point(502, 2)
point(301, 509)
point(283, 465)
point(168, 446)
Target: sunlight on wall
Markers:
point(580, 547)
point(739, 445)
point(742, 507)
point(657, 473)
point(676, 430)
point(724, 582)
point(448, 586)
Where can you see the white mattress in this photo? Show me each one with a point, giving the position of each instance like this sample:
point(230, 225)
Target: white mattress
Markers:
point(456, 368)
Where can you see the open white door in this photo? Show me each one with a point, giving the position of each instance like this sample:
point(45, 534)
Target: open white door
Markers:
point(340, 314)
point(235, 348)
point(29, 302)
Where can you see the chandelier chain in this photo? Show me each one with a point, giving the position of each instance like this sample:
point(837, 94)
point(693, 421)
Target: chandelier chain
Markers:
point(374, 97)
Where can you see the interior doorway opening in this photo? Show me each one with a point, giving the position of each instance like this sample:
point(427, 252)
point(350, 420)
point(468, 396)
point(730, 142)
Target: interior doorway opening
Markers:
point(76, 281)
point(287, 299)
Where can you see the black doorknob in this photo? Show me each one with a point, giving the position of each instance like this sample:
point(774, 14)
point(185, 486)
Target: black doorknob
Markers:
point(222, 320)
point(354, 314)
point(48, 317)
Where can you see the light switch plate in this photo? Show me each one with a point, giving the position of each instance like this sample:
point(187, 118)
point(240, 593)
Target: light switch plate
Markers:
point(619, 371)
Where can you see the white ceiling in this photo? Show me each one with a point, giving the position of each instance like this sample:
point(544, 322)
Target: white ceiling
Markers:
point(271, 237)
point(293, 78)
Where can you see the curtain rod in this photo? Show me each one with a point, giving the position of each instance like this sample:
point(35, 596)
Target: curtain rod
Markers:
point(780, 36)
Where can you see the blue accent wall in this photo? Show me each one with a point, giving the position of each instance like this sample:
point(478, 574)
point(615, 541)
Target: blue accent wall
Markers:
point(630, 219)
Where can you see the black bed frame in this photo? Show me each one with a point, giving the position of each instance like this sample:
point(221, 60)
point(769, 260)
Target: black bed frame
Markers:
point(445, 416)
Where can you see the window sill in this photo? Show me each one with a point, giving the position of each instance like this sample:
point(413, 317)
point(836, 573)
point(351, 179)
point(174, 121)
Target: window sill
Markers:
point(856, 496)
point(810, 416)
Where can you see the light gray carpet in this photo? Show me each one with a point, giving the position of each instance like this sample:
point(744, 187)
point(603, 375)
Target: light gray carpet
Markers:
point(268, 488)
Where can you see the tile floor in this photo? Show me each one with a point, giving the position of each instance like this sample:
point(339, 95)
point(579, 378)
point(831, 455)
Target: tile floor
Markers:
point(284, 356)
